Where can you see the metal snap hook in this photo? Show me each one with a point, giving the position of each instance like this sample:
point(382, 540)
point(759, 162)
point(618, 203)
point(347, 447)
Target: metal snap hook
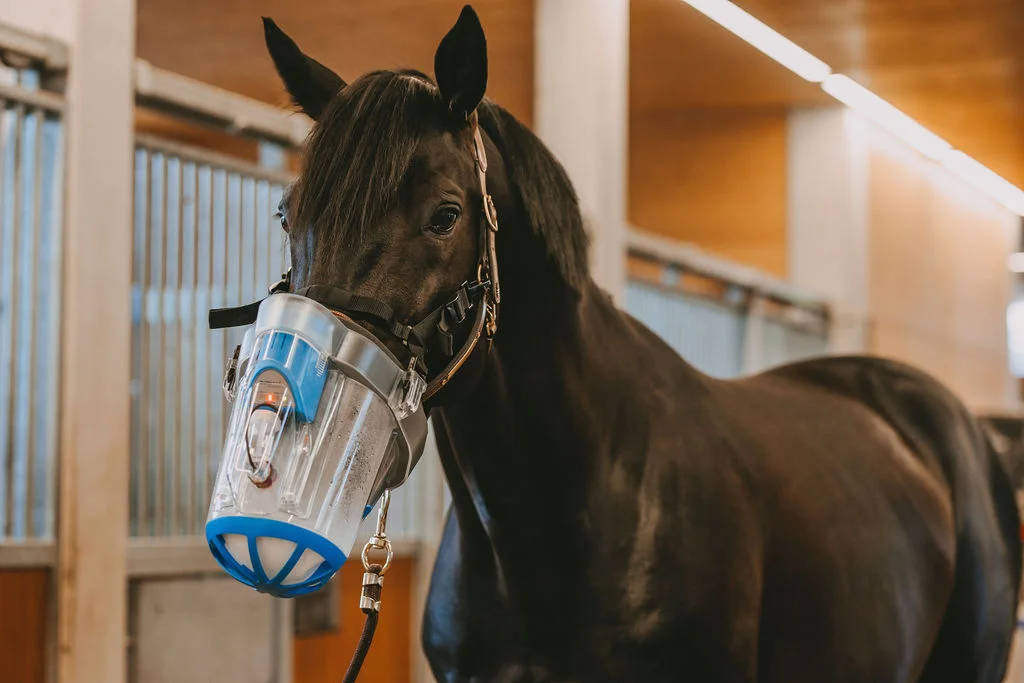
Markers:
point(379, 540)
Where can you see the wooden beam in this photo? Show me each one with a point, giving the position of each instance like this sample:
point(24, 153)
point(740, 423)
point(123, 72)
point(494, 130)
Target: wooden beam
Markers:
point(26, 555)
point(96, 348)
point(691, 258)
point(200, 102)
point(50, 54)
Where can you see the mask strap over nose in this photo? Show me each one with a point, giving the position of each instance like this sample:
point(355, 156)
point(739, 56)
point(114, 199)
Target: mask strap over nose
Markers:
point(434, 332)
point(240, 316)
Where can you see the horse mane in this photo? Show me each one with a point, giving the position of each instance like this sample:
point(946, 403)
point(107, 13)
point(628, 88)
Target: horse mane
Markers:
point(545, 193)
point(358, 155)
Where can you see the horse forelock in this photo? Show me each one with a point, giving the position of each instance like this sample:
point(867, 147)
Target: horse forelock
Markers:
point(358, 155)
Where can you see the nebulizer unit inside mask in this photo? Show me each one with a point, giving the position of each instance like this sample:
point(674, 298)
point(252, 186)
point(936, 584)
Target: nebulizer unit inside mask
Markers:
point(324, 419)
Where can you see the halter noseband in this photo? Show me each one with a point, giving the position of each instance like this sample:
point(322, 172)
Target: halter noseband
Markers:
point(482, 294)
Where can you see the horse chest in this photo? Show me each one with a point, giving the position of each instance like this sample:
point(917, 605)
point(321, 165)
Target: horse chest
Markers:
point(477, 628)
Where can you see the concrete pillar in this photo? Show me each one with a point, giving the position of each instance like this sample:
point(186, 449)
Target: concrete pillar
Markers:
point(912, 257)
point(828, 217)
point(581, 111)
point(96, 330)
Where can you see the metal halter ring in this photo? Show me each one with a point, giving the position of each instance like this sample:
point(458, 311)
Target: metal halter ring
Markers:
point(379, 540)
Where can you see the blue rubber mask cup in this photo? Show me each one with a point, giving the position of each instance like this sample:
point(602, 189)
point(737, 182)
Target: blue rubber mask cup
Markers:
point(324, 418)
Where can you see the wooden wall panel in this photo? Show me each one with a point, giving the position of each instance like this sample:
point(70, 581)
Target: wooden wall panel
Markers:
point(939, 285)
point(24, 604)
point(324, 659)
point(716, 178)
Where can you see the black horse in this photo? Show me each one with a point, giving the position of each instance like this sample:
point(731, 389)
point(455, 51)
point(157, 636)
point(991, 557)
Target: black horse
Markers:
point(617, 515)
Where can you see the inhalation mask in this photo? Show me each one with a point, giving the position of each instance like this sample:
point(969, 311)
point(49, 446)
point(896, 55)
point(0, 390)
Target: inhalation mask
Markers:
point(324, 418)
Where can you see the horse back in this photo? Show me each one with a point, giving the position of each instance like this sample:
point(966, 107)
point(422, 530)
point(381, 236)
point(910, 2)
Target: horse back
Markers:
point(974, 638)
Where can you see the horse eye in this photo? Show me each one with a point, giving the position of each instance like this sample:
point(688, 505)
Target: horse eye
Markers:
point(284, 220)
point(443, 220)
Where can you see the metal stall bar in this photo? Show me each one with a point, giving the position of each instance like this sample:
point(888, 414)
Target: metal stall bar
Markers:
point(198, 102)
point(12, 197)
point(42, 53)
point(185, 520)
point(204, 242)
point(31, 188)
point(140, 346)
point(32, 216)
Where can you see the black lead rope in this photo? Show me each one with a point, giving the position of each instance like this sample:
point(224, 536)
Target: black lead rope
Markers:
point(369, 602)
point(373, 583)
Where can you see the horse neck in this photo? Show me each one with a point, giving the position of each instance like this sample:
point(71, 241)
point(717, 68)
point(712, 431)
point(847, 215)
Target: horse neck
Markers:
point(521, 441)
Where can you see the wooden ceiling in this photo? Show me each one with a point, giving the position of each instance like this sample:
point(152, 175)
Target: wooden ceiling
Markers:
point(680, 59)
point(955, 65)
point(221, 41)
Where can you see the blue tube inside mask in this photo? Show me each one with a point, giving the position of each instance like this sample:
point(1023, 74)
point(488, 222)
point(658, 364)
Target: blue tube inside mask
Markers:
point(298, 363)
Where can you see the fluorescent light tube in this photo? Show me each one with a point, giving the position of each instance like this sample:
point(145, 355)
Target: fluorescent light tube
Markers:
point(986, 180)
point(767, 40)
point(875, 109)
point(863, 101)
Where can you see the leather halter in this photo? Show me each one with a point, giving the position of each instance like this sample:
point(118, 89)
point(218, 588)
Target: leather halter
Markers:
point(487, 315)
point(483, 294)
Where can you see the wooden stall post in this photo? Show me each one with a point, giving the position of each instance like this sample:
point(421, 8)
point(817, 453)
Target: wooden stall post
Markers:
point(95, 369)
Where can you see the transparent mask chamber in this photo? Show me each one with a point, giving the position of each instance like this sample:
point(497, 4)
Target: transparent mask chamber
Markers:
point(305, 448)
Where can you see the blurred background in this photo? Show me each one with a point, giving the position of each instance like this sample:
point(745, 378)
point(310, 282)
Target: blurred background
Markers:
point(846, 180)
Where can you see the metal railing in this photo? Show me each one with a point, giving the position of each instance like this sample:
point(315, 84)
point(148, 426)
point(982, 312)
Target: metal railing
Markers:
point(706, 333)
point(726, 319)
point(204, 237)
point(31, 221)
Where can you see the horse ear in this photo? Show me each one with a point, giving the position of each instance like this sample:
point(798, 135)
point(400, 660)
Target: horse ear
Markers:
point(460, 65)
point(311, 84)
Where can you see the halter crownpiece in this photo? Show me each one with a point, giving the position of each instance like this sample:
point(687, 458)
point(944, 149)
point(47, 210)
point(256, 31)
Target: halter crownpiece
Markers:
point(489, 210)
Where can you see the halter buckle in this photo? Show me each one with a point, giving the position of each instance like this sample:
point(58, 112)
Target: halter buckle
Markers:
point(490, 321)
point(479, 154)
point(282, 285)
point(459, 306)
point(231, 375)
point(401, 330)
point(491, 212)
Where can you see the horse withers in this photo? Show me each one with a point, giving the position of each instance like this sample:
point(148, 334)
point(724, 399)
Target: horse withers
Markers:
point(617, 515)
